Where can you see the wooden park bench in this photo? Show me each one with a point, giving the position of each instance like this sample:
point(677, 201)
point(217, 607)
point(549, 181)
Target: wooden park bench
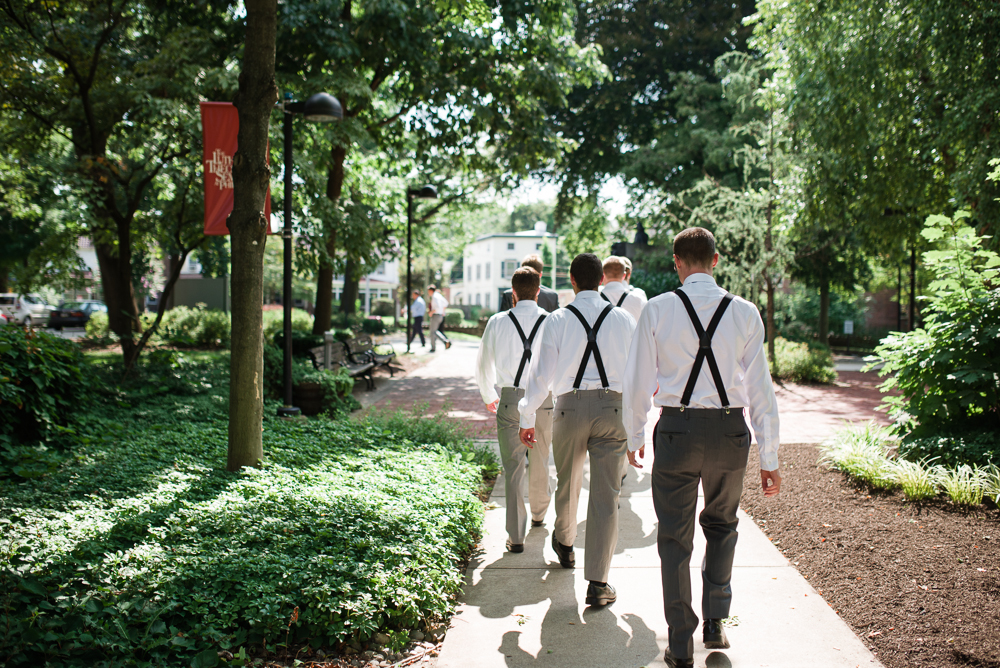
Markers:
point(333, 355)
point(362, 349)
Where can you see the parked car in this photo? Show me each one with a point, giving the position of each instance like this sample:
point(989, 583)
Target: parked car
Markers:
point(40, 310)
point(23, 309)
point(3, 320)
point(75, 314)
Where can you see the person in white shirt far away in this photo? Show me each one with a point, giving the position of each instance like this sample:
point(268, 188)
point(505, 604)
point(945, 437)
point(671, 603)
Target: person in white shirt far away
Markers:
point(438, 306)
point(582, 363)
point(419, 309)
point(628, 278)
point(619, 293)
point(510, 341)
point(705, 349)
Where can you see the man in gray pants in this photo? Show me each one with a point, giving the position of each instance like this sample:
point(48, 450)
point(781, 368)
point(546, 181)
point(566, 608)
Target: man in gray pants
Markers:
point(705, 349)
point(582, 362)
point(509, 342)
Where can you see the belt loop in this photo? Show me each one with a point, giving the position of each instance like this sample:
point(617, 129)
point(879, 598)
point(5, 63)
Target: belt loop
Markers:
point(727, 409)
point(687, 414)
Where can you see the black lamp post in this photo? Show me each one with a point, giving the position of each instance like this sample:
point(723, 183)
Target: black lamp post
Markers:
point(427, 192)
point(320, 108)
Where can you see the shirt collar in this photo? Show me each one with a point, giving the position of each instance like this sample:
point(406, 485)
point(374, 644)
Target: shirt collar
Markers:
point(525, 305)
point(700, 278)
point(620, 284)
point(587, 294)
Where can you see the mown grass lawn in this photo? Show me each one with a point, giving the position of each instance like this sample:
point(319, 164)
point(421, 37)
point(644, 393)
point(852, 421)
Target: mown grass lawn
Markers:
point(138, 548)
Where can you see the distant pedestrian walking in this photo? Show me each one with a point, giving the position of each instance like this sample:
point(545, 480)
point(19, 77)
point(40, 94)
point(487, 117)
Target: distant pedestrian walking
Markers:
point(705, 349)
point(438, 306)
point(510, 341)
point(417, 310)
point(582, 363)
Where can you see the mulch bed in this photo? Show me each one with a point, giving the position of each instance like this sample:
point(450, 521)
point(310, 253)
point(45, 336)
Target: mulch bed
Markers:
point(918, 583)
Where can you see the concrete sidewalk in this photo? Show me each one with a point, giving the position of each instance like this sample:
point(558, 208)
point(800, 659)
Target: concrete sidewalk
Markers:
point(524, 610)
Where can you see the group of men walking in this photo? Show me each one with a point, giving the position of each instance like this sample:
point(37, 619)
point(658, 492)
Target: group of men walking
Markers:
point(418, 310)
point(580, 380)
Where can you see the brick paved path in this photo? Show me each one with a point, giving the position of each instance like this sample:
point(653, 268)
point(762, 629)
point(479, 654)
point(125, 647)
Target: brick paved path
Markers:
point(809, 413)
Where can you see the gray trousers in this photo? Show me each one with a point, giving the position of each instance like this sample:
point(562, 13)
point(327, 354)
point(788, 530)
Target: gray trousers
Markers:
point(585, 423)
point(512, 453)
point(709, 446)
point(435, 331)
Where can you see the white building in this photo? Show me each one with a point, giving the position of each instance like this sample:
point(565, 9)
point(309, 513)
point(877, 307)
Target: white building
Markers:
point(380, 284)
point(490, 261)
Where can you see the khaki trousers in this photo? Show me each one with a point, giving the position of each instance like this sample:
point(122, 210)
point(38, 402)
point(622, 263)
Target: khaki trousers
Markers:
point(708, 446)
point(435, 331)
point(512, 454)
point(589, 422)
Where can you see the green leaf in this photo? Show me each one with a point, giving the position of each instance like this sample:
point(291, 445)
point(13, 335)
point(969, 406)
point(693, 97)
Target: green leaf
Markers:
point(208, 658)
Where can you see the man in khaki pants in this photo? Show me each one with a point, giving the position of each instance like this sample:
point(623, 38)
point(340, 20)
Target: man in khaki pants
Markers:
point(510, 340)
point(582, 362)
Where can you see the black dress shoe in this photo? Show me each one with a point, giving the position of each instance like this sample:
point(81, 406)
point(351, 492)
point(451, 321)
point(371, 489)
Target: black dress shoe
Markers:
point(566, 557)
point(516, 548)
point(537, 523)
point(598, 594)
point(714, 634)
point(674, 662)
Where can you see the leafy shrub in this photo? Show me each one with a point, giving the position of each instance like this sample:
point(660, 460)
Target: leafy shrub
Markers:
point(187, 327)
point(373, 325)
point(654, 283)
point(991, 488)
point(98, 328)
point(946, 372)
point(453, 317)
point(42, 382)
point(337, 386)
point(976, 449)
point(804, 362)
point(302, 342)
point(274, 322)
point(383, 308)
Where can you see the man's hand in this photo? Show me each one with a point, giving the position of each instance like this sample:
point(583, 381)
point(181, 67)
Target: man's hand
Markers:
point(528, 437)
point(771, 482)
point(492, 408)
point(638, 454)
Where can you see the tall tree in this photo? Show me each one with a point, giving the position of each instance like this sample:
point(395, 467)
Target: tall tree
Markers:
point(248, 227)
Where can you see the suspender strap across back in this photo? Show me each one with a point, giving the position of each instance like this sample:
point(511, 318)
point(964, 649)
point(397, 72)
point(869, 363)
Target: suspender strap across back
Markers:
point(526, 341)
point(591, 346)
point(621, 300)
point(705, 349)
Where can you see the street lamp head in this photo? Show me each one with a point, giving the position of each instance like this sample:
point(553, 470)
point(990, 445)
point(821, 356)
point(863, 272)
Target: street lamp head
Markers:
point(427, 192)
point(323, 108)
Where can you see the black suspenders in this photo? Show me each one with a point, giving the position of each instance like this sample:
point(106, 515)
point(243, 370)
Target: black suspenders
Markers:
point(621, 300)
point(526, 340)
point(591, 346)
point(705, 349)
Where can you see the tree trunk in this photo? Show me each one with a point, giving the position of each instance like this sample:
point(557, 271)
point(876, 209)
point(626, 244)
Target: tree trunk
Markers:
point(771, 333)
point(115, 262)
point(324, 277)
point(248, 227)
point(4, 273)
point(913, 286)
point(824, 312)
point(349, 297)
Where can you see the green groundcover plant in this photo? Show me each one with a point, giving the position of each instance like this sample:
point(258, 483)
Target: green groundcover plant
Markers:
point(140, 549)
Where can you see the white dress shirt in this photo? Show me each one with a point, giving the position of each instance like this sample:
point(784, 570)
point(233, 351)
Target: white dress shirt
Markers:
point(501, 349)
point(663, 351)
point(438, 304)
point(555, 366)
point(633, 303)
point(419, 307)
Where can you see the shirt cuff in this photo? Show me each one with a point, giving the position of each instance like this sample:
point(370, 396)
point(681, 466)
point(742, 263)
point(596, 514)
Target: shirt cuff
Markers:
point(527, 421)
point(768, 461)
point(636, 441)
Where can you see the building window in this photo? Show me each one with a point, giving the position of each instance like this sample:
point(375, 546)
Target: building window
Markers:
point(538, 246)
point(510, 246)
point(488, 264)
point(487, 300)
point(477, 299)
point(507, 268)
point(479, 271)
point(380, 270)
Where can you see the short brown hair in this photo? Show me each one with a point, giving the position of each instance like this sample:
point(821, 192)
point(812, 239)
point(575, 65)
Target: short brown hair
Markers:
point(524, 283)
point(614, 267)
point(534, 262)
point(587, 271)
point(696, 246)
point(431, 287)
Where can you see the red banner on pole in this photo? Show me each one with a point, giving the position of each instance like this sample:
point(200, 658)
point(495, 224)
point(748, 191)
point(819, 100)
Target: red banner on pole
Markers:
point(220, 124)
